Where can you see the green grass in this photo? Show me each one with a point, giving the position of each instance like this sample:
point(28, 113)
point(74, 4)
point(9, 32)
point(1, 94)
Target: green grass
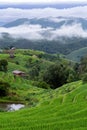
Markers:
point(59, 110)
point(62, 109)
point(21, 89)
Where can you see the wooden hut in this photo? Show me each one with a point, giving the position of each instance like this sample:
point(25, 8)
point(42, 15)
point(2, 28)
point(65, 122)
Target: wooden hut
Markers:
point(19, 73)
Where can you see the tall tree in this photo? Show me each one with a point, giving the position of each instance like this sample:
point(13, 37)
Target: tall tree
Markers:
point(56, 75)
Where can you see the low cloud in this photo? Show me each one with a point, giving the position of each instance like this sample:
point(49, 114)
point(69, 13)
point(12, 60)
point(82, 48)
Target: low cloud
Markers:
point(31, 32)
point(56, 20)
point(75, 30)
point(37, 32)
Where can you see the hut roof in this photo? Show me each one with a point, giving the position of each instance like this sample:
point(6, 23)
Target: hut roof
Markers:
point(18, 72)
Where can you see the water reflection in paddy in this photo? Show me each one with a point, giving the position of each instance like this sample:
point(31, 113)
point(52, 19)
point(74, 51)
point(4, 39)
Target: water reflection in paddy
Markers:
point(11, 106)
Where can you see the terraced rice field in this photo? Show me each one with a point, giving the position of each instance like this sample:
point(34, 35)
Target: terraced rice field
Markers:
point(66, 109)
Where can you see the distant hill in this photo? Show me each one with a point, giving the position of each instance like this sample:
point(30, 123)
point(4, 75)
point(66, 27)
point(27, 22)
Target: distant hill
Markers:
point(42, 21)
point(78, 54)
point(49, 22)
point(17, 22)
point(59, 44)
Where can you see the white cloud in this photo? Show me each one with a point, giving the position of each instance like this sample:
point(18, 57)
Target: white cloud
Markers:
point(36, 32)
point(56, 20)
point(75, 30)
point(11, 14)
point(32, 32)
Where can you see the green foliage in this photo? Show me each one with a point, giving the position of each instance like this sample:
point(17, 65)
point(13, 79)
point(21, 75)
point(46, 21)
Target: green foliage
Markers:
point(34, 72)
point(1, 110)
point(29, 62)
point(41, 84)
point(56, 75)
point(4, 88)
point(72, 75)
point(84, 79)
point(81, 68)
point(54, 46)
point(71, 78)
point(83, 64)
point(64, 108)
point(17, 63)
point(3, 65)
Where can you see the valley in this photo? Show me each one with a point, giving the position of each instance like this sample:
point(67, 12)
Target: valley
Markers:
point(43, 65)
point(45, 108)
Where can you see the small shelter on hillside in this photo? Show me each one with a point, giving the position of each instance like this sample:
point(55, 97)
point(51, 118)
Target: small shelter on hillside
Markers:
point(11, 52)
point(19, 73)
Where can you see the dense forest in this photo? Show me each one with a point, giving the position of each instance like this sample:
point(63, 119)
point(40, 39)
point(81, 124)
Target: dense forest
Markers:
point(62, 45)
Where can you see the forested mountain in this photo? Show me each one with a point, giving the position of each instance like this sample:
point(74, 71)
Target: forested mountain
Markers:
point(53, 46)
point(45, 34)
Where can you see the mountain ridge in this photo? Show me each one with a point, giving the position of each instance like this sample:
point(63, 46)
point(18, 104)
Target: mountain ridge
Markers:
point(49, 22)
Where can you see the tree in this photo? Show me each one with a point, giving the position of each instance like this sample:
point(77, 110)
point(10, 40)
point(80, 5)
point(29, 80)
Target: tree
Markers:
point(34, 72)
point(84, 79)
point(4, 88)
point(71, 78)
point(56, 75)
point(3, 65)
point(43, 84)
point(71, 75)
point(83, 65)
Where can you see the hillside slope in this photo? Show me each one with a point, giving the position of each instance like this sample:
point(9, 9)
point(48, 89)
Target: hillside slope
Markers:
point(34, 64)
point(78, 54)
point(65, 109)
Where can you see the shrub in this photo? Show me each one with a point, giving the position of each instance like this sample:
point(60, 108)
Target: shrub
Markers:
point(17, 62)
point(43, 84)
point(84, 79)
point(3, 65)
point(34, 72)
point(4, 88)
point(2, 110)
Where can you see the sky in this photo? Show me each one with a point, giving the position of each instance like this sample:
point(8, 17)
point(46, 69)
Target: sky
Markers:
point(37, 31)
point(41, 1)
point(29, 31)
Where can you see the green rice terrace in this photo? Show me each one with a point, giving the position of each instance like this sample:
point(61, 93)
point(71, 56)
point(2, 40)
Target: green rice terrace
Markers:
point(62, 108)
